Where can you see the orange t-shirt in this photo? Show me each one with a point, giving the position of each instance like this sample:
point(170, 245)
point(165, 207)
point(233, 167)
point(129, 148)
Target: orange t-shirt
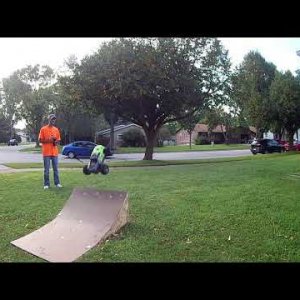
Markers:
point(46, 132)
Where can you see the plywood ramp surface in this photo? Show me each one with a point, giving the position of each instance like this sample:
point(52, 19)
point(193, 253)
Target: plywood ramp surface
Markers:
point(89, 217)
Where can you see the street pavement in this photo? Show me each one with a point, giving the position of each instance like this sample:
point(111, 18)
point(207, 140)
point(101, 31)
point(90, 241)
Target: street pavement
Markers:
point(11, 154)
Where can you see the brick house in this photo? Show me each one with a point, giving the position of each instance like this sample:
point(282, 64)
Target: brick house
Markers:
point(237, 134)
point(103, 136)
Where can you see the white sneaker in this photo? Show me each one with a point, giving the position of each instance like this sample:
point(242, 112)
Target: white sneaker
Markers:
point(59, 185)
point(46, 187)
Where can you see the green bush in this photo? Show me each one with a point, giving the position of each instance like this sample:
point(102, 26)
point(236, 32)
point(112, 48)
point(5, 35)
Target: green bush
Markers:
point(102, 140)
point(199, 141)
point(163, 135)
point(133, 138)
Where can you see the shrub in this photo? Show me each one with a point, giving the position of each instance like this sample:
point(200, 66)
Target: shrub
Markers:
point(199, 141)
point(102, 140)
point(133, 138)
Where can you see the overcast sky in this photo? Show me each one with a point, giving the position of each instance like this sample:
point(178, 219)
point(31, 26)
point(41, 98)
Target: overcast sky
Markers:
point(16, 53)
point(280, 51)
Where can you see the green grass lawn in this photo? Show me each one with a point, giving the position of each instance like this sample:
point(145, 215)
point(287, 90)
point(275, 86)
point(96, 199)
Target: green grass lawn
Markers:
point(236, 211)
point(182, 148)
point(32, 149)
point(147, 163)
point(179, 148)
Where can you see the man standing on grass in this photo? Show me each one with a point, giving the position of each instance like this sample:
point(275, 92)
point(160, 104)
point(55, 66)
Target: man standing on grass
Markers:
point(50, 137)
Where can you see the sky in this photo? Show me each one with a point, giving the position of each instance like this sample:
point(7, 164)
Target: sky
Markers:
point(280, 51)
point(16, 53)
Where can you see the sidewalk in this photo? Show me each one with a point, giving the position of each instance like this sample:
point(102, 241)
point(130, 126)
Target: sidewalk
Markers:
point(4, 169)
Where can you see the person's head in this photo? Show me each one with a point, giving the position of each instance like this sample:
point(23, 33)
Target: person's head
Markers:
point(52, 119)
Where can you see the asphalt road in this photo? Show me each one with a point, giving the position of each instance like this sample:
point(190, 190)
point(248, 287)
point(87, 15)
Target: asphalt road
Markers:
point(10, 154)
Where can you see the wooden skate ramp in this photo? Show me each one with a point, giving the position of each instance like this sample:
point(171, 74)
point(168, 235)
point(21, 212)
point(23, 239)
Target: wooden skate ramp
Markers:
point(88, 218)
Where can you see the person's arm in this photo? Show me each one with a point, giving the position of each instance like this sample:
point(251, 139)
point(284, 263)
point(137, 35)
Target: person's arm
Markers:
point(58, 137)
point(46, 141)
point(42, 138)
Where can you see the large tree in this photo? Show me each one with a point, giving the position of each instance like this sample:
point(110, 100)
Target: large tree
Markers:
point(12, 92)
point(285, 109)
point(71, 115)
point(226, 119)
point(251, 89)
point(5, 132)
point(153, 81)
point(111, 118)
point(35, 109)
point(37, 102)
point(189, 124)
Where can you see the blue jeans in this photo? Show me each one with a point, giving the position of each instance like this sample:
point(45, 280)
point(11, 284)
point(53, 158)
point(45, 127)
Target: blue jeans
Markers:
point(54, 160)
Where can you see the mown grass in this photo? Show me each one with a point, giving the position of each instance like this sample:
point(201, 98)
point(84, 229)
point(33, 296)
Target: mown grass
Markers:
point(183, 148)
point(32, 150)
point(178, 148)
point(145, 163)
point(238, 211)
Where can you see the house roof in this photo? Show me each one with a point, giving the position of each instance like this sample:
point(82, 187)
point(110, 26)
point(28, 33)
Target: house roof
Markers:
point(204, 128)
point(217, 129)
point(116, 128)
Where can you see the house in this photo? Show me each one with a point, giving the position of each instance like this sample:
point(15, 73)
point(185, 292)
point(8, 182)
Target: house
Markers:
point(241, 134)
point(200, 131)
point(236, 135)
point(271, 135)
point(103, 136)
point(23, 135)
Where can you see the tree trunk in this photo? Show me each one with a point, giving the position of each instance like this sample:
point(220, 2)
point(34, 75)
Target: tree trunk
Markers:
point(259, 132)
point(190, 139)
point(37, 143)
point(151, 137)
point(36, 133)
point(226, 139)
point(291, 139)
point(11, 129)
point(210, 136)
point(225, 134)
point(112, 136)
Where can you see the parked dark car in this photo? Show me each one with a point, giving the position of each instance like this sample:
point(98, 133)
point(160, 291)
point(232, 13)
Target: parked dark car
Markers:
point(281, 142)
point(81, 149)
point(266, 146)
point(295, 147)
point(12, 142)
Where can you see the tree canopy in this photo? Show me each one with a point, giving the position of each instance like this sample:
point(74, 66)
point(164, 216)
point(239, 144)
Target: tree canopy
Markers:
point(251, 89)
point(285, 108)
point(153, 81)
